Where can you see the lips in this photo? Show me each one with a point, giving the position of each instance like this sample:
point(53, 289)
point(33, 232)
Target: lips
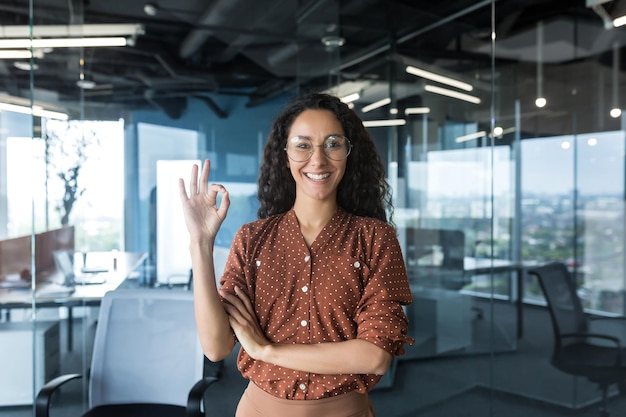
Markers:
point(317, 177)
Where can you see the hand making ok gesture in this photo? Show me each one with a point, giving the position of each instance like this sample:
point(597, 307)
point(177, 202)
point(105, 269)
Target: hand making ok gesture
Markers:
point(203, 216)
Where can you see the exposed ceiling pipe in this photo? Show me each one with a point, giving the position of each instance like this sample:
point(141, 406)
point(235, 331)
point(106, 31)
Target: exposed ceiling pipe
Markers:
point(214, 15)
point(384, 46)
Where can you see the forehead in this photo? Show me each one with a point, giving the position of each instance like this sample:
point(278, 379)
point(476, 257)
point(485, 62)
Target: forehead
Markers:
point(316, 124)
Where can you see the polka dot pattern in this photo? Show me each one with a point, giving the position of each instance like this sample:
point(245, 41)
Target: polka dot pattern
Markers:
point(350, 284)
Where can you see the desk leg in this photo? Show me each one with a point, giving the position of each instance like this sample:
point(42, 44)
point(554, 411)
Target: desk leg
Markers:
point(519, 302)
point(70, 328)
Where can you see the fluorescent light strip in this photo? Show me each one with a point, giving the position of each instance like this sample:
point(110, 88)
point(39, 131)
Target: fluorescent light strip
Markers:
point(376, 105)
point(438, 78)
point(15, 54)
point(62, 43)
point(68, 31)
point(416, 110)
point(620, 21)
point(451, 93)
point(35, 111)
point(350, 98)
point(470, 136)
point(381, 123)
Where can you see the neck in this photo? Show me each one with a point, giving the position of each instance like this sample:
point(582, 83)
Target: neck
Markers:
point(314, 215)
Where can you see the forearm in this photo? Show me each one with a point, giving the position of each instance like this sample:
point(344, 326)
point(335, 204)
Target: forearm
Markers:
point(350, 357)
point(216, 336)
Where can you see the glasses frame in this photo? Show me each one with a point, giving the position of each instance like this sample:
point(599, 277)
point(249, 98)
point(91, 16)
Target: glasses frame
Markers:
point(348, 143)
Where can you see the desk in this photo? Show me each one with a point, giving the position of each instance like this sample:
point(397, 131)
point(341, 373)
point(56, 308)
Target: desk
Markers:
point(482, 266)
point(52, 294)
point(456, 278)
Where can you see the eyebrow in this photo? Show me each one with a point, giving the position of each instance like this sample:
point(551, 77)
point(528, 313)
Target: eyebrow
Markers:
point(310, 138)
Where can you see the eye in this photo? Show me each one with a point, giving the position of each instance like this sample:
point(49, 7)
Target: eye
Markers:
point(334, 142)
point(301, 144)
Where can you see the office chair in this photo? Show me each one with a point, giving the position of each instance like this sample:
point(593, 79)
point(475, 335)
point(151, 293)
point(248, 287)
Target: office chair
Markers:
point(601, 358)
point(147, 359)
point(448, 273)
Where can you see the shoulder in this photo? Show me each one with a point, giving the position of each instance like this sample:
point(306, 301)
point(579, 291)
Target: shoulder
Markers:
point(260, 227)
point(369, 224)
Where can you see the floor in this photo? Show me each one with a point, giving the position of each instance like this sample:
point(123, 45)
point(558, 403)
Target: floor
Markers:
point(513, 382)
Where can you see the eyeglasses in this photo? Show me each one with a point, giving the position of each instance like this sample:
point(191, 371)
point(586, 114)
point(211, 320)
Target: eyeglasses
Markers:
point(336, 147)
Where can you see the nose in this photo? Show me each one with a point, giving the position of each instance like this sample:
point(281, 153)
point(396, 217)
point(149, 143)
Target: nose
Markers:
point(319, 156)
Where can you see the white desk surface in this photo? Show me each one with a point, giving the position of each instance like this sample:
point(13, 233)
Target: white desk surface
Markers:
point(55, 293)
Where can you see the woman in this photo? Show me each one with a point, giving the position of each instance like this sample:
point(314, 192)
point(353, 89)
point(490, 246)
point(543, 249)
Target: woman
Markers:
point(313, 290)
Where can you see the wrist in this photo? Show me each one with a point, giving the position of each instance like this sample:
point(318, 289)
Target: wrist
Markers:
point(265, 353)
point(201, 245)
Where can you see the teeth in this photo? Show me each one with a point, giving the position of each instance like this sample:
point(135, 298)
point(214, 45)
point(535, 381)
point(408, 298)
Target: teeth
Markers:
point(318, 176)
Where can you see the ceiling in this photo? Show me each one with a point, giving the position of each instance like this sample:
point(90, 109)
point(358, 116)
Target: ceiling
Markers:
point(260, 49)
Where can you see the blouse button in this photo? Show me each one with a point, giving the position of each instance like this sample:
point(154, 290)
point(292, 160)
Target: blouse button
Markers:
point(357, 264)
point(306, 258)
point(305, 288)
point(258, 263)
point(302, 386)
point(303, 323)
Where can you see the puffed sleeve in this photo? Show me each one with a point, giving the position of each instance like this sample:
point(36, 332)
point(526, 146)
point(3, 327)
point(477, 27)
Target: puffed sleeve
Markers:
point(235, 271)
point(380, 316)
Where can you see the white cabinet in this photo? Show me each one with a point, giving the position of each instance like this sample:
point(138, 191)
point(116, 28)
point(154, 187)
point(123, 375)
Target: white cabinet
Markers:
point(16, 359)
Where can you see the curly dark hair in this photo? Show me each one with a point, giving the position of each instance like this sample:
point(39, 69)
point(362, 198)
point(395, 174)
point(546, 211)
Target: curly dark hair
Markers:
point(363, 189)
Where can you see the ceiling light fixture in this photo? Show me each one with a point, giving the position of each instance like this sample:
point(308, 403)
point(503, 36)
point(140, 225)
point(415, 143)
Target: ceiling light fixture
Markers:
point(63, 42)
point(71, 31)
point(619, 21)
point(616, 111)
point(376, 105)
point(416, 110)
point(150, 9)
point(540, 101)
point(382, 123)
point(350, 97)
point(86, 84)
point(438, 78)
point(68, 36)
point(452, 93)
point(35, 111)
point(25, 66)
point(607, 20)
point(16, 54)
point(470, 136)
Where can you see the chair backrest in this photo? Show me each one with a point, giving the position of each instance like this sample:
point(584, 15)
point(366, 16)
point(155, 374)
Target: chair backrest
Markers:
point(435, 257)
point(451, 243)
point(146, 348)
point(559, 289)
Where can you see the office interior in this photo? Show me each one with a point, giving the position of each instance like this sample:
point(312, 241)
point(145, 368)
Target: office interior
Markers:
point(499, 123)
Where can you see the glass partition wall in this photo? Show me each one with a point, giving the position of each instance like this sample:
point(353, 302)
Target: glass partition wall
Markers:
point(486, 183)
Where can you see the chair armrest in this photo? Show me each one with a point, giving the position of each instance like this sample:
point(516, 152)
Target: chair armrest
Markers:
point(598, 318)
point(42, 402)
point(593, 335)
point(196, 396)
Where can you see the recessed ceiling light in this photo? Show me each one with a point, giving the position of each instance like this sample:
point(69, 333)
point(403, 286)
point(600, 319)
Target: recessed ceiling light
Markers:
point(333, 41)
point(150, 9)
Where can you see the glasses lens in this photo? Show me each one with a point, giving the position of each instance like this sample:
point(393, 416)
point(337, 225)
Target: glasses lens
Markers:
point(337, 148)
point(300, 149)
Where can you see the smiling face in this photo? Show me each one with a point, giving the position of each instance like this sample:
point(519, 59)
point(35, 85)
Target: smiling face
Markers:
point(317, 178)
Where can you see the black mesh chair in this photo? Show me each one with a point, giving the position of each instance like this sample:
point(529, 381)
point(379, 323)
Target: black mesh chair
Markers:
point(448, 271)
point(601, 358)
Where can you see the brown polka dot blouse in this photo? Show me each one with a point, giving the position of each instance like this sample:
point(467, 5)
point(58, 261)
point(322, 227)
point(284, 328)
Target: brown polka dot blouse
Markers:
point(350, 284)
